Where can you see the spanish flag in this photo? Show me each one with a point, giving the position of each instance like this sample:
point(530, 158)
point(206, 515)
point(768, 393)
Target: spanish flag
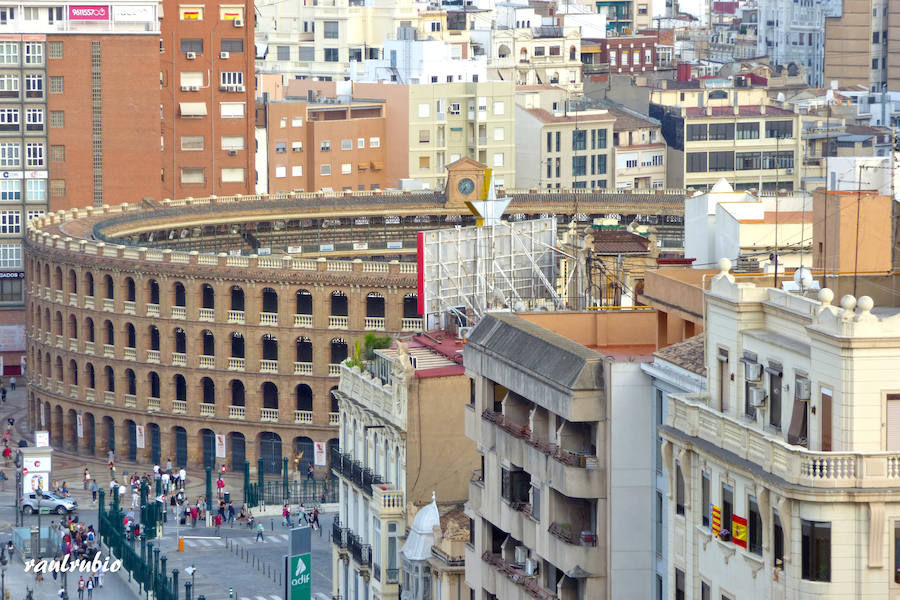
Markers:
point(739, 531)
point(231, 16)
point(191, 15)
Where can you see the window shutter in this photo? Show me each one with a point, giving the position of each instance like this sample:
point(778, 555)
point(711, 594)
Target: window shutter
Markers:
point(893, 423)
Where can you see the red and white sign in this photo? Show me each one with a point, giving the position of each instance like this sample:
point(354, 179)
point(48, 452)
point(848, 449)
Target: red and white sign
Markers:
point(88, 13)
point(220, 446)
point(36, 465)
point(139, 436)
point(320, 455)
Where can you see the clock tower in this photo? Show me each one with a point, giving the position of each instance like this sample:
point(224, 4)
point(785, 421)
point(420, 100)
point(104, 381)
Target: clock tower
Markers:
point(465, 180)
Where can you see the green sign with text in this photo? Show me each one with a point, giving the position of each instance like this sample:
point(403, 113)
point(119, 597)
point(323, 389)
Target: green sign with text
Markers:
point(299, 584)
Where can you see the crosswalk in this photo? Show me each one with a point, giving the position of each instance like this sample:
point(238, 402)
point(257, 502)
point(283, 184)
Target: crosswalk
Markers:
point(210, 542)
point(272, 597)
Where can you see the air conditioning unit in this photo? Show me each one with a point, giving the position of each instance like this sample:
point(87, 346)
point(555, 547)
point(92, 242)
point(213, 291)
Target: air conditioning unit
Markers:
point(232, 153)
point(193, 88)
point(757, 396)
point(752, 371)
point(186, 88)
point(238, 22)
point(521, 555)
point(224, 55)
point(802, 389)
point(531, 567)
point(240, 88)
point(790, 171)
point(190, 55)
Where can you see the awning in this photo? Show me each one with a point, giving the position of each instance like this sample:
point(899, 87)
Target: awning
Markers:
point(262, 49)
point(797, 434)
point(377, 165)
point(362, 166)
point(192, 109)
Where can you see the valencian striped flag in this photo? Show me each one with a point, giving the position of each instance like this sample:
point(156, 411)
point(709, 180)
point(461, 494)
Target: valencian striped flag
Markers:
point(739, 531)
point(716, 519)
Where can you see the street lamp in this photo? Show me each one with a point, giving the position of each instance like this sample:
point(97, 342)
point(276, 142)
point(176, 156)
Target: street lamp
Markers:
point(39, 493)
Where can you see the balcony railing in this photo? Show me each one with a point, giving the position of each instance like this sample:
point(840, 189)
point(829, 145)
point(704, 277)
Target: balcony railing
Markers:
point(109, 397)
point(303, 417)
point(516, 574)
point(130, 401)
point(356, 472)
point(339, 535)
point(179, 407)
point(268, 366)
point(302, 368)
point(89, 347)
point(338, 322)
point(179, 312)
point(565, 533)
point(303, 321)
point(152, 404)
point(73, 345)
point(334, 418)
point(411, 324)
point(109, 351)
point(152, 310)
point(73, 299)
point(109, 304)
point(236, 412)
point(60, 341)
point(523, 432)
point(334, 370)
point(128, 307)
point(90, 394)
point(267, 318)
point(207, 410)
point(153, 356)
point(207, 314)
point(375, 323)
point(179, 359)
point(89, 302)
point(392, 575)
point(207, 362)
point(130, 353)
point(73, 390)
point(235, 364)
point(268, 414)
point(361, 553)
point(236, 316)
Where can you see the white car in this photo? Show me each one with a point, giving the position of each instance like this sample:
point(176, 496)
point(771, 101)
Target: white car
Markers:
point(50, 501)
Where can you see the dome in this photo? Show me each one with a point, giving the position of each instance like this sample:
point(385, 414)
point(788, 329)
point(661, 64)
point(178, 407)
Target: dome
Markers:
point(722, 186)
point(421, 536)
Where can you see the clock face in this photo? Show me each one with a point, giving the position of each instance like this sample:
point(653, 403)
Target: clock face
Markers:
point(465, 186)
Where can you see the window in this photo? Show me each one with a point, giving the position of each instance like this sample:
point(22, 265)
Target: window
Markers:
point(555, 51)
point(232, 175)
point(280, 172)
point(57, 84)
point(704, 499)
point(325, 146)
point(192, 45)
point(232, 45)
point(727, 506)
point(9, 154)
point(9, 85)
point(679, 490)
point(193, 175)
point(34, 154)
point(747, 161)
point(331, 30)
point(296, 121)
point(346, 168)
point(775, 374)
point(192, 142)
point(10, 256)
point(282, 122)
point(190, 13)
point(579, 139)
point(34, 53)
point(360, 142)
point(10, 190)
point(498, 159)
point(7, 14)
point(325, 169)
point(280, 147)
point(231, 78)
point(230, 13)
point(579, 166)
point(816, 550)
point(374, 142)
point(705, 591)
point(9, 53)
point(424, 162)
point(35, 214)
point(696, 133)
point(424, 111)
point(37, 190)
point(695, 162)
point(34, 119)
point(779, 129)
point(57, 188)
point(721, 131)
point(10, 290)
point(297, 171)
point(721, 161)
point(679, 584)
point(748, 131)
point(283, 52)
point(57, 118)
point(754, 527)
point(331, 55)
point(659, 524)
point(424, 136)
point(601, 139)
point(9, 119)
point(296, 146)
point(453, 108)
point(232, 142)
point(601, 164)
point(346, 144)
point(777, 541)
point(499, 108)
point(10, 221)
point(499, 134)
point(231, 110)
point(34, 86)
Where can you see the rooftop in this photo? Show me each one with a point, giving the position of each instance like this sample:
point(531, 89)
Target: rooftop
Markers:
point(745, 110)
point(436, 354)
point(689, 355)
point(611, 241)
point(546, 116)
point(783, 217)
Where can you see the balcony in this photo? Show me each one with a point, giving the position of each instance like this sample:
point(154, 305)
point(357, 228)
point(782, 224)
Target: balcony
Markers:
point(153, 356)
point(388, 501)
point(207, 362)
point(268, 366)
point(58, 296)
point(130, 401)
point(411, 325)
point(48, 337)
point(73, 345)
point(572, 548)
point(179, 312)
point(109, 304)
point(73, 299)
point(361, 553)
point(334, 418)
point(179, 359)
point(794, 464)
point(90, 394)
point(302, 368)
point(235, 364)
point(334, 370)
point(152, 310)
point(47, 292)
point(303, 417)
point(89, 347)
point(207, 410)
point(60, 341)
point(340, 461)
point(109, 397)
point(130, 353)
point(236, 316)
point(339, 535)
point(267, 318)
point(179, 407)
point(303, 321)
point(73, 390)
point(128, 307)
point(89, 302)
point(109, 351)
point(236, 412)
point(516, 574)
point(60, 387)
point(268, 414)
point(356, 473)
point(338, 322)
point(374, 323)
point(207, 314)
point(152, 404)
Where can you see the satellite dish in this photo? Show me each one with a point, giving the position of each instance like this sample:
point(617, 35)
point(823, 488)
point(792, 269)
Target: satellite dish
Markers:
point(803, 278)
point(780, 97)
point(519, 306)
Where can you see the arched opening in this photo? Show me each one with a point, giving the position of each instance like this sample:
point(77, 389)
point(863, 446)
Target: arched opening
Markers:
point(91, 380)
point(73, 282)
point(411, 306)
point(238, 394)
point(110, 428)
point(130, 294)
point(573, 53)
point(338, 304)
point(89, 326)
point(153, 292)
point(269, 347)
point(304, 350)
point(338, 351)
point(73, 327)
point(335, 408)
point(269, 301)
point(180, 341)
point(270, 451)
point(270, 395)
point(237, 298)
point(375, 305)
point(73, 372)
point(503, 51)
point(153, 384)
point(57, 325)
point(59, 368)
point(130, 335)
point(304, 302)
point(89, 279)
point(333, 446)
point(238, 446)
point(90, 434)
point(209, 296)
point(181, 449)
point(179, 294)
point(209, 343)
point(154, 338)
point(303, 447)
point(72, 429)
point(209, 448)
point(110, 286)
point(132, 439)
point(237, 345)
point(153, 433)
point(110, 379)
point(132, 381)
point(58, 279)
point(304, 397)
point(554, 78)
point(180, 388)
point(110, 333)
point(209, 390)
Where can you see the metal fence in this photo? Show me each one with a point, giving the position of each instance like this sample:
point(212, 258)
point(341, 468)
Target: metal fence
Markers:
point(307, 491)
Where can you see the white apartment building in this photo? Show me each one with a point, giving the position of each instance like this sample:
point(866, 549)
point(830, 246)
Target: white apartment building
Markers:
point(422, 61)
point(782, 477)
point(537, 56)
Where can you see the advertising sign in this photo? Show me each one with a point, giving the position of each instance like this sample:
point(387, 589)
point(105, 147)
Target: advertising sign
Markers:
point(79, 425)
point(36, 464)
point(31, 482)
point(220, 446)
point(139, 435)
point(320, 453)
point(84, 12)
point(134, 14)
point(298, 566)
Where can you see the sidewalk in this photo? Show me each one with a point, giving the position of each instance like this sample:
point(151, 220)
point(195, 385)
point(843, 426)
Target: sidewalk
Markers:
point(16, 581)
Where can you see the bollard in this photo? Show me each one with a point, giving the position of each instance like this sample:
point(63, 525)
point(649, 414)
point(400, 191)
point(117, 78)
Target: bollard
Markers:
point(181, 544)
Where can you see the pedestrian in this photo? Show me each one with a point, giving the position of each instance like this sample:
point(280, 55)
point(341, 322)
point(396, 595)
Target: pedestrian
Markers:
point(12, 383)
point(89, 586)
point(81, 588)
point(3, 393)
point(10, 549)
point(94, 489)
point(231, 513)
point(220, 485)
point(217, 521)
point(260, 531)
point(62, 590)
point(315, 517)
point(182, 477)
point(195, 514)
point(309, 471)
point(87, 478)
point(168, 465)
